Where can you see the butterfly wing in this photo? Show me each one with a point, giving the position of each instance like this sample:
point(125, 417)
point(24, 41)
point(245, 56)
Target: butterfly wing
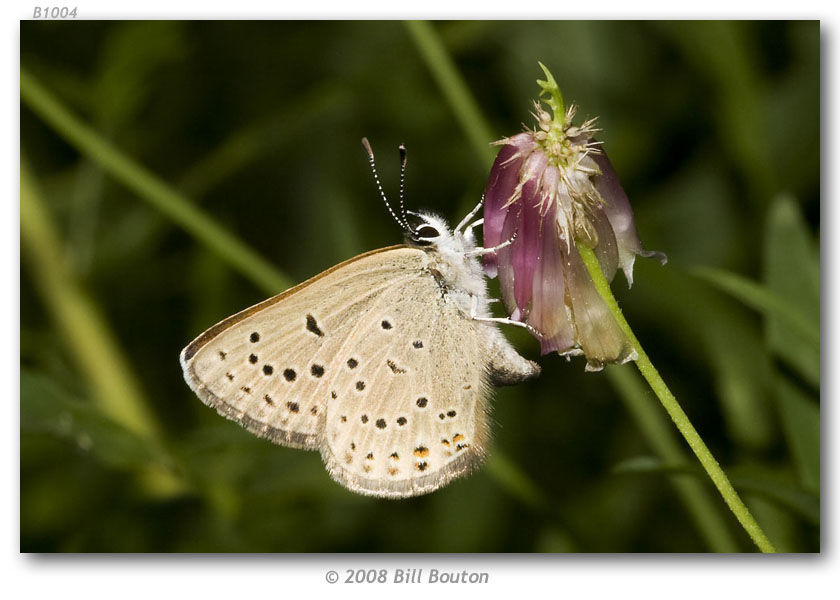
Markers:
point(425, 421)
point(272, 367)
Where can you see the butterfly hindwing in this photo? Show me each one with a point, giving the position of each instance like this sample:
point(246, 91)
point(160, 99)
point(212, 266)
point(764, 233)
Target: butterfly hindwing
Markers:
point(425, 420)
point(272, 367)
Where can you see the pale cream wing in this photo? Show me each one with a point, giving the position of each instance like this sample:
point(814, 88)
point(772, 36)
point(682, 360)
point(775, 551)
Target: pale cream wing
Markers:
point(409, 409)
point(273, 367)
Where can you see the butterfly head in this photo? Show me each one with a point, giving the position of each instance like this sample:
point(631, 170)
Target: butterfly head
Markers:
point(426, 230)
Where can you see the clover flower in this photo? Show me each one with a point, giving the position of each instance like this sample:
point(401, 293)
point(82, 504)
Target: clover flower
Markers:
point(550, 189)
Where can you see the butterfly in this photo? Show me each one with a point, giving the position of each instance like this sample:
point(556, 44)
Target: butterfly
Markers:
point(384, 363)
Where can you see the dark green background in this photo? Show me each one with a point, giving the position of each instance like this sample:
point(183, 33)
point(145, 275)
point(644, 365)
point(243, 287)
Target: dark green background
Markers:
point(713, 128)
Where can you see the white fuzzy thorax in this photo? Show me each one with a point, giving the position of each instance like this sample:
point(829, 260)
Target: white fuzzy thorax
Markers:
point(453, 256)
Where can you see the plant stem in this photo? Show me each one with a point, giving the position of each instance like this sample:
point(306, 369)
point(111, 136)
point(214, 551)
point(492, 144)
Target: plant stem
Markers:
point(675, 411)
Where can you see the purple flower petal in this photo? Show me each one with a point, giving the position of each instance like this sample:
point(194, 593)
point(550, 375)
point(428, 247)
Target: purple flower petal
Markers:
point(607, 250)
point(500, 187)
point(620, 215)
point(527, 245)
point(548, 310)
point(504, 257)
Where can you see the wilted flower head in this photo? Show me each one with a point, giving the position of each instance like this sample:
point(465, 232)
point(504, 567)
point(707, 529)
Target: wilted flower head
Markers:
point(552, 188)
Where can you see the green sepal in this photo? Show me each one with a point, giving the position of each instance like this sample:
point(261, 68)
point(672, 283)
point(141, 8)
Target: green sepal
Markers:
point(554, 100)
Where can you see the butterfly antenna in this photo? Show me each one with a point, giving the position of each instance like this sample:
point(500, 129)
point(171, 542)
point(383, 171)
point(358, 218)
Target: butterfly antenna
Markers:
point(369, 151)
point(403, 160)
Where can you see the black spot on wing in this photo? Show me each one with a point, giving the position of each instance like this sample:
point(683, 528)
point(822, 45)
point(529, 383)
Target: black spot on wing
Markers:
point(393, 366)
point(312, 326)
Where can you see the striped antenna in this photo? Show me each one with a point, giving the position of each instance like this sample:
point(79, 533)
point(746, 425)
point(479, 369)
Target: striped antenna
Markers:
point(403, 160)
point(369, 151)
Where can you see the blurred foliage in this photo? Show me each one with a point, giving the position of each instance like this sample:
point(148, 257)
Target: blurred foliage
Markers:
point(714, 128)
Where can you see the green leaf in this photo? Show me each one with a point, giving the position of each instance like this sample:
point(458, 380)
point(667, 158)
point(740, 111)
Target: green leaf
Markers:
point(47, 408)
point(761, 299)
point(792, 272)
point(800, 417)
point(742, 372)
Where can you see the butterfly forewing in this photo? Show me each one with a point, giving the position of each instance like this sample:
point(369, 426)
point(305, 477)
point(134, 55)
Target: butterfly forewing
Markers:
point(409, 411)
point(272, 367)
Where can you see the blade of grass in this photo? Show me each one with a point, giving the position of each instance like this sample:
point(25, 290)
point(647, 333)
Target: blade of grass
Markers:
point(454, 88)
point(800, 416)
point(791, 271)
point(758, 297)
point(244, 146)
point(149, 187)
point(91, 342)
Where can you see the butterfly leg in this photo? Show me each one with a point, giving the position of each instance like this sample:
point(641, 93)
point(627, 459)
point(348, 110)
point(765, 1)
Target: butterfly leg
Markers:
point(483, 251)
point(473, 212)
point(474, 224)
point(501, 320)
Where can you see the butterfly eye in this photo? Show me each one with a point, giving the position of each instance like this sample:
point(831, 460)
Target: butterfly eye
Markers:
point(427, 232)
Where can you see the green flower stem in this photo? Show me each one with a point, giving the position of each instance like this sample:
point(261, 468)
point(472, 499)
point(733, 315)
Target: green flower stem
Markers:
point(675, 411)
point(149, 187)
